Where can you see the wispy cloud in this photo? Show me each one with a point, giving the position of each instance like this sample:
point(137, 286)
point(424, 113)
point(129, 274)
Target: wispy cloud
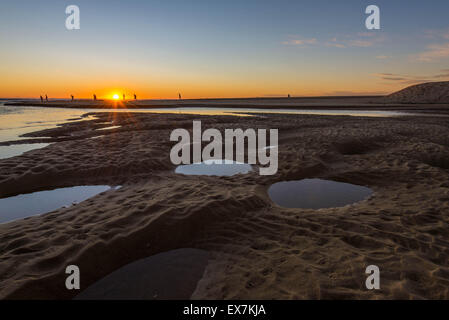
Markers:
point(382, 57)
point(413, 79)
point(367, 34)
point(444, 74)
point(355, 93)
point(433, 52)
point(361, 39)
point(300, 42)
point(361, 43)
point(437, 34)
point(437, 47)
point(335, 43)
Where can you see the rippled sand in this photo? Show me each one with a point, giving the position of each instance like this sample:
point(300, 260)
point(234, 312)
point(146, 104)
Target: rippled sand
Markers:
point(257, 249)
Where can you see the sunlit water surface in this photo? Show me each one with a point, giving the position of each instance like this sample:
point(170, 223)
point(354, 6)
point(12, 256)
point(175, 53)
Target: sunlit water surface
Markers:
point(16, 121)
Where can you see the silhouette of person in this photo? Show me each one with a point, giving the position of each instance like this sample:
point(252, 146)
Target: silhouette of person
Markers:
point(135, 97)
point(179, 96)
point(46, 98)
point(42, 99)
point(72, 97)
point(123, 97)
point(288, 95)
point(95, 97)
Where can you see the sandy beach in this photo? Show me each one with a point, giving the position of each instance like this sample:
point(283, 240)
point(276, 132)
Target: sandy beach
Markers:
point(224, 159)
point(256, 249)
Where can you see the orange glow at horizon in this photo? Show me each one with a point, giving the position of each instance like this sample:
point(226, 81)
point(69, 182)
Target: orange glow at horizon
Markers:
point(226, 86)
point(192, 84)
point(31, 81)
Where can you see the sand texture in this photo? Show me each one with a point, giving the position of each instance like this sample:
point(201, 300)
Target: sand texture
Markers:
point(256, 249)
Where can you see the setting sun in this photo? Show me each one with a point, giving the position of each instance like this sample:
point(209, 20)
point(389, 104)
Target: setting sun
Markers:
point(115, 97)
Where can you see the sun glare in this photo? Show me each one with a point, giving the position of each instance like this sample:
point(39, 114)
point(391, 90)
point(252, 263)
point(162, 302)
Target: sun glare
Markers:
point(115, 97)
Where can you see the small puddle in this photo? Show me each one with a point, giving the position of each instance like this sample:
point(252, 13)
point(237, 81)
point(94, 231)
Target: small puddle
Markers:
point(108, 128)
point(30, 204)
point(316, 193)
point(19, 149)
point(214, 167)
point(169, 275)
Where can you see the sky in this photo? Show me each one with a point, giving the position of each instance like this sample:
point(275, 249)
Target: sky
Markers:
point(222, 49)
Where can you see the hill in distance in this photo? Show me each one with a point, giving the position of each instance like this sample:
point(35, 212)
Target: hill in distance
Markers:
point(429, 92)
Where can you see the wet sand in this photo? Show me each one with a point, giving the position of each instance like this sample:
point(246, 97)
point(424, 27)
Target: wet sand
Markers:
point(257, 250)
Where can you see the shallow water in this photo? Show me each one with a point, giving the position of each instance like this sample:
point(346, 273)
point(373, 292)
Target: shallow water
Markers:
point(16, 121)
point(18, 149)
point(316, 193)
point(172, 274)
point(214, 168)
point(30, 204)
point(326, 112)
point(109, 128)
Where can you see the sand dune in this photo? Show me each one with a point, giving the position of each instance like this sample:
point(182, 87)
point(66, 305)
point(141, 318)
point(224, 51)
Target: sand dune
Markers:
point(430, 92)
point(257, 249)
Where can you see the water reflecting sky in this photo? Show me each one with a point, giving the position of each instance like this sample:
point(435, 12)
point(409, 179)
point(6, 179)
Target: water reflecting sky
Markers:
point(316, 193)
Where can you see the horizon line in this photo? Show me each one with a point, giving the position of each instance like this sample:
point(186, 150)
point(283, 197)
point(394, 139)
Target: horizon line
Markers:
point(214, 98)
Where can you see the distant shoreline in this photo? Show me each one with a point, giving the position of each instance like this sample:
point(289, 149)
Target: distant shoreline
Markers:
point(216, 99)
point(340, 102)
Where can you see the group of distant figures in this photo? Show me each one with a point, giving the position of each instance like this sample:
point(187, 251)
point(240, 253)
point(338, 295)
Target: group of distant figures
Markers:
point(124, 97)
point(95, 97)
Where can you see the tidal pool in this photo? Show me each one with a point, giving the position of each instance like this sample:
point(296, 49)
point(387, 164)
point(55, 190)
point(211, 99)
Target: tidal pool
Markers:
point(170, 275)
point(214, 167)
point(30, 204)
point(19, 149)
point(109, 128)
point(316, 193)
